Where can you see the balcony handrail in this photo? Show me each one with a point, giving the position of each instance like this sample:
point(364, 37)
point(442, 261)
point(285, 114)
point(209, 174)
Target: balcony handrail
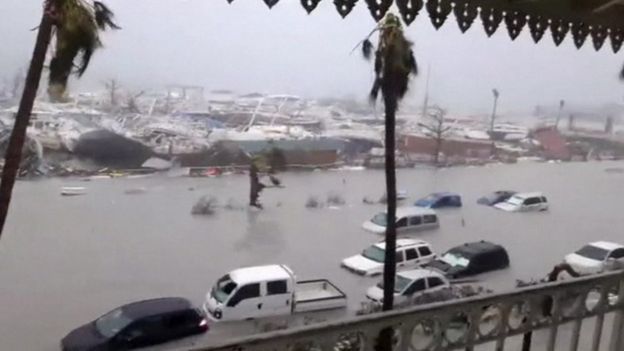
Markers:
point(353, 324)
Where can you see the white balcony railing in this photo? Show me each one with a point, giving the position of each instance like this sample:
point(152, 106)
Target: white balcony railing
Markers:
point(465, 324)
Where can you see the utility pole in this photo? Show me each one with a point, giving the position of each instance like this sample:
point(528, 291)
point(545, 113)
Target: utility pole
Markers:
point(561, 104)
point(425, 107)
point(492, 119)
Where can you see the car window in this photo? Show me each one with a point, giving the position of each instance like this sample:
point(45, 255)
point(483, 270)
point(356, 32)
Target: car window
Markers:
point(411, 254)
point(249, 291)
point(401, 223)
point(424, 251)
point(544, 200)
point(416, 286)
point(430, 218)
point(532, 201)
point(434, 281)
point(399, 256)
point(415, 220)
point(617, 253)
point(277, 287)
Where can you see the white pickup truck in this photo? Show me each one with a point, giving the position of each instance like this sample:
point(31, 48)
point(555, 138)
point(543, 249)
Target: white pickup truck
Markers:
point(264, 291)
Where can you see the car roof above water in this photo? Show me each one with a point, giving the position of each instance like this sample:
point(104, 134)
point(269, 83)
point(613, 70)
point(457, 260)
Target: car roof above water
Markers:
point(260, 273)
point(420, 273)
point(528, 195)
point(147, 308)
point(413, 211)
point(606, 245)
point(403, 242)
point(476, 248)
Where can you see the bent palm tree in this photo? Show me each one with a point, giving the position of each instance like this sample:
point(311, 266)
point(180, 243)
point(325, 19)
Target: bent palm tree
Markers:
point(76, 24)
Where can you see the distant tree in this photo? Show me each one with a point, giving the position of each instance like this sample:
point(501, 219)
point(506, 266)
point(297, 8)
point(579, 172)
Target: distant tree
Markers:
point(435, 125)
point(75, 24)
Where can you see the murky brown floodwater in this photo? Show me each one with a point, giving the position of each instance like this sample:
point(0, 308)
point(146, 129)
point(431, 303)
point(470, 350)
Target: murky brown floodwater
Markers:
point(64, 261)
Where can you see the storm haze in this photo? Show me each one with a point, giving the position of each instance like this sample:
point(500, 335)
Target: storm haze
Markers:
point(247, 48)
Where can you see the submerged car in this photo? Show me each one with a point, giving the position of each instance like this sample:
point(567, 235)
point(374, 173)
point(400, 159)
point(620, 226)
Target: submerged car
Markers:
point(408, 219)
point(409, 253)
point(524, 202)
point(596, 257)
point(495, 197)
point(138, 324)
point(440, 200)
point(471, 259)
point(409, 285)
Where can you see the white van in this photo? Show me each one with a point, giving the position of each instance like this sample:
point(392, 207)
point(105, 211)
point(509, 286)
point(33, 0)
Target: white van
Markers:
point(524, 202)
point(263, 291)
point(409, 253)
point(408, 219)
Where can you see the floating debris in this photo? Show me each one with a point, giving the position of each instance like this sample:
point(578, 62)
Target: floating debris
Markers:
point(135, 191)
point(73, 190)
point(206, 205)
point(313, 202)
point(334, 199)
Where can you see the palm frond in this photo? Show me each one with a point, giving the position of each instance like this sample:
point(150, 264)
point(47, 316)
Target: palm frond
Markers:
point(367, 49)
point(104, 16)
point(77, 38)
point(622, 73)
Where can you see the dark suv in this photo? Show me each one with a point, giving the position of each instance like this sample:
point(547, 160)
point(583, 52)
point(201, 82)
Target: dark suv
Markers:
point(138, 324)
point(470, 259)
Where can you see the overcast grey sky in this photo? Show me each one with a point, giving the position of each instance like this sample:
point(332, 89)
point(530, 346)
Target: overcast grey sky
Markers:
point(246, 47)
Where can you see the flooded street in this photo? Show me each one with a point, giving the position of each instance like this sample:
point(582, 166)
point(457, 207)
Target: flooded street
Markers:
point(66, 260)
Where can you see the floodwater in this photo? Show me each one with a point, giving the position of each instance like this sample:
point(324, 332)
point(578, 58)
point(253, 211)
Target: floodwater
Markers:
point(66, 260)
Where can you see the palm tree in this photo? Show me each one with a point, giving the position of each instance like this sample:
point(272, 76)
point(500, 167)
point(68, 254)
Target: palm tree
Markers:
point(394, 61)
point(76, 25)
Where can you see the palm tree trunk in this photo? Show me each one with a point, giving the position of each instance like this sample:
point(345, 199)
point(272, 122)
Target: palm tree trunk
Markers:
point(13, 155)
point(390, 103)
point(385, 340)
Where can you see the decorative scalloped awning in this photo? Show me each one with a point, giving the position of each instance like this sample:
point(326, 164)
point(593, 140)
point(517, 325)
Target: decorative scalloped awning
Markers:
point(597, 19)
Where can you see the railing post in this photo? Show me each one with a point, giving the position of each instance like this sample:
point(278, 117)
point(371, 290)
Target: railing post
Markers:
point(618, 320)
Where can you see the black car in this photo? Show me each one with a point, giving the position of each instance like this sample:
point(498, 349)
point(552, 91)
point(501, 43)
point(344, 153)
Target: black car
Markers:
point(138, 324)
point(495, 197)
point(470, 259)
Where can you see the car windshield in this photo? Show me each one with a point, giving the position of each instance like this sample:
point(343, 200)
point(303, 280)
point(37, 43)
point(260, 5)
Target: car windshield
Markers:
point(400, 283)
point(374, 253)
point(515, 200)
point(381, 219)
point(223, 288)
point(455, 260)
point(112, 323)
point(593, 252)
